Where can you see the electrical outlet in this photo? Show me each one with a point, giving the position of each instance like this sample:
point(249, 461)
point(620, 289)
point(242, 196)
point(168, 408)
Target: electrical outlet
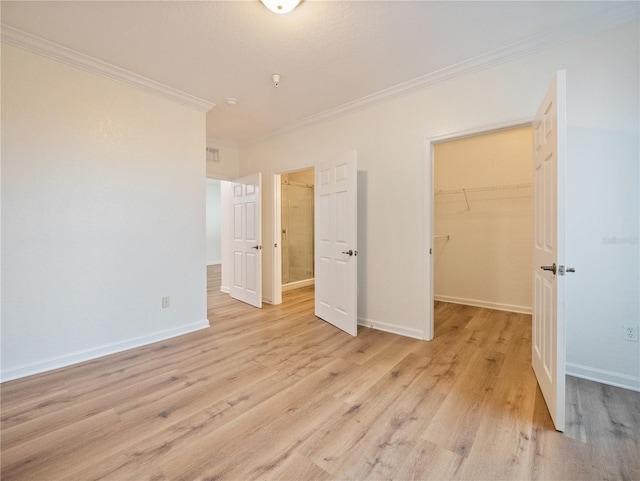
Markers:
point(165, 302)
point(630, 332)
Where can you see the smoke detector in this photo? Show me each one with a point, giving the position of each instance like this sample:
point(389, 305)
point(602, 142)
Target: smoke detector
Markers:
point(276, 80)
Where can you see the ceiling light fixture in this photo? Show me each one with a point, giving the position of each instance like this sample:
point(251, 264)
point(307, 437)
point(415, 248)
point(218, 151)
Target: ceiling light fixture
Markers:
point(231, 101)
point(280, 6)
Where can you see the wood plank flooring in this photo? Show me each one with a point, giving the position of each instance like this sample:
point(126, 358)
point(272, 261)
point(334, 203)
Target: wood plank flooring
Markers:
point(276, 394)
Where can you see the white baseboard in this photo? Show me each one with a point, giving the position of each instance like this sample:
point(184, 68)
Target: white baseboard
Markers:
point(298, 284)
point(487, 304)
point(611, 378)
point(392, 328)
point(225, 289)
point(214, 263)
point(105, 350)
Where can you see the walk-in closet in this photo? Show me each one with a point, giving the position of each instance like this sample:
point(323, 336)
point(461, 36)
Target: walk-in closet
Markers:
point(483, 220)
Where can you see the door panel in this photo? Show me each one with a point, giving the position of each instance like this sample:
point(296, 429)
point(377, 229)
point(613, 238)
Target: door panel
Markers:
point(336, 236)
point(246, 282)
point(548, 343)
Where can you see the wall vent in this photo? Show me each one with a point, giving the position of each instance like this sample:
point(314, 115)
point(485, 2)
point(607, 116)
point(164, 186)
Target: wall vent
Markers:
point(213, 155)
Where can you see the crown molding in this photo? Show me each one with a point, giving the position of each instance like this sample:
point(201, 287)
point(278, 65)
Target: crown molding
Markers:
point(625, 12)
point(40, 46)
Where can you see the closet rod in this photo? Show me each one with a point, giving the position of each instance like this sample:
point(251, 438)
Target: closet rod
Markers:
point(297, 184)
point(484, 189)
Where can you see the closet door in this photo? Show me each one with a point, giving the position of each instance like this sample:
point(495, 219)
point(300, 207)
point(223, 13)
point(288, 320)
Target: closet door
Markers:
point(548, 344)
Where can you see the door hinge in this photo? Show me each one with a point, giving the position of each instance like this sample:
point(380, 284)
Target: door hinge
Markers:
point(430, 250)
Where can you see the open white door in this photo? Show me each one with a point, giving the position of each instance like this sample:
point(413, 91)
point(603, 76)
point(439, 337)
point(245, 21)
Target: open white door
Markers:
point(336, 266)
point(246, 240)
point(548, 345)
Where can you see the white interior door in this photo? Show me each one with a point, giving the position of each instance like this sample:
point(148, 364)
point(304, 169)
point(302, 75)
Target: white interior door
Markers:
point(548, 345)
point(336, 255)
point(246, 240)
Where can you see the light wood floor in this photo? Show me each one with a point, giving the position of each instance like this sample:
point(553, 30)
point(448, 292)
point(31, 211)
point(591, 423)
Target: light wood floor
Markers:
point(276, 394)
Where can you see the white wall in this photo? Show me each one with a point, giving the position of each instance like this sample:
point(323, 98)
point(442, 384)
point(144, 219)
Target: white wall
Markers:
point(485, 260)
point(214, 223)
point(602, 187)
point(103, 214)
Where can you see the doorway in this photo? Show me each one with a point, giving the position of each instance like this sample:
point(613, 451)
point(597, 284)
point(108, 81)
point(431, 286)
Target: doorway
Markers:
point(214, 223)
point(296, 231)
point(483, 221)
point(214, 238)
point(335, 241)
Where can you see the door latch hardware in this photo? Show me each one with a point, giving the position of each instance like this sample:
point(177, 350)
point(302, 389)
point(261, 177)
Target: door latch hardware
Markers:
point(257, 247)
point(349, 252)
point(549, 268)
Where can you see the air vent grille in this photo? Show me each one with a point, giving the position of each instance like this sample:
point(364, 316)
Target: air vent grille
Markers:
point(213, 155)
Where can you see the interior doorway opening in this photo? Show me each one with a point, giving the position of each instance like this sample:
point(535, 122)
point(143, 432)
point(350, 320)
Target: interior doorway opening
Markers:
point(215, 238)
point(214, 223)
point(294, 263)
point(483, 222)
point(297, 229)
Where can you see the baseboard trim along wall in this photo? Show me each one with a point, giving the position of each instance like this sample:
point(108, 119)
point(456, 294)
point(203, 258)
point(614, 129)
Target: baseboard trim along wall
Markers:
point(225, 289)
point(90, 354)
point(392, 328)
point(298, 284)
point(605, 377)
point(487, 304)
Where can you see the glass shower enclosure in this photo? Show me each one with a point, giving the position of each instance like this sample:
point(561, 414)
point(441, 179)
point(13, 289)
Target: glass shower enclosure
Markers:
point(297, 236)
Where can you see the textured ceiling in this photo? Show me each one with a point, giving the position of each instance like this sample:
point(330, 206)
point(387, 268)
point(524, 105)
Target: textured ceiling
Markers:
point(328, 53)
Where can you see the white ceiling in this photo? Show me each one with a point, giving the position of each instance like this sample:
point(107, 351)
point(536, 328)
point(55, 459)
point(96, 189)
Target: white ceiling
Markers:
point(329, 53)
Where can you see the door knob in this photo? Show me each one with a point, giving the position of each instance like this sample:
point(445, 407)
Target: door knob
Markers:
point(257, 247)
point(549, 268)
point(349, 252)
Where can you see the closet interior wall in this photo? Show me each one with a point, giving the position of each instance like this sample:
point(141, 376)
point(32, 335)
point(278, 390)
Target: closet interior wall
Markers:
point(483, 220)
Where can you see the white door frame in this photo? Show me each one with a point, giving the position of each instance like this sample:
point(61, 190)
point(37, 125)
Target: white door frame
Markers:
point(428, 210)
point(276, 279)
